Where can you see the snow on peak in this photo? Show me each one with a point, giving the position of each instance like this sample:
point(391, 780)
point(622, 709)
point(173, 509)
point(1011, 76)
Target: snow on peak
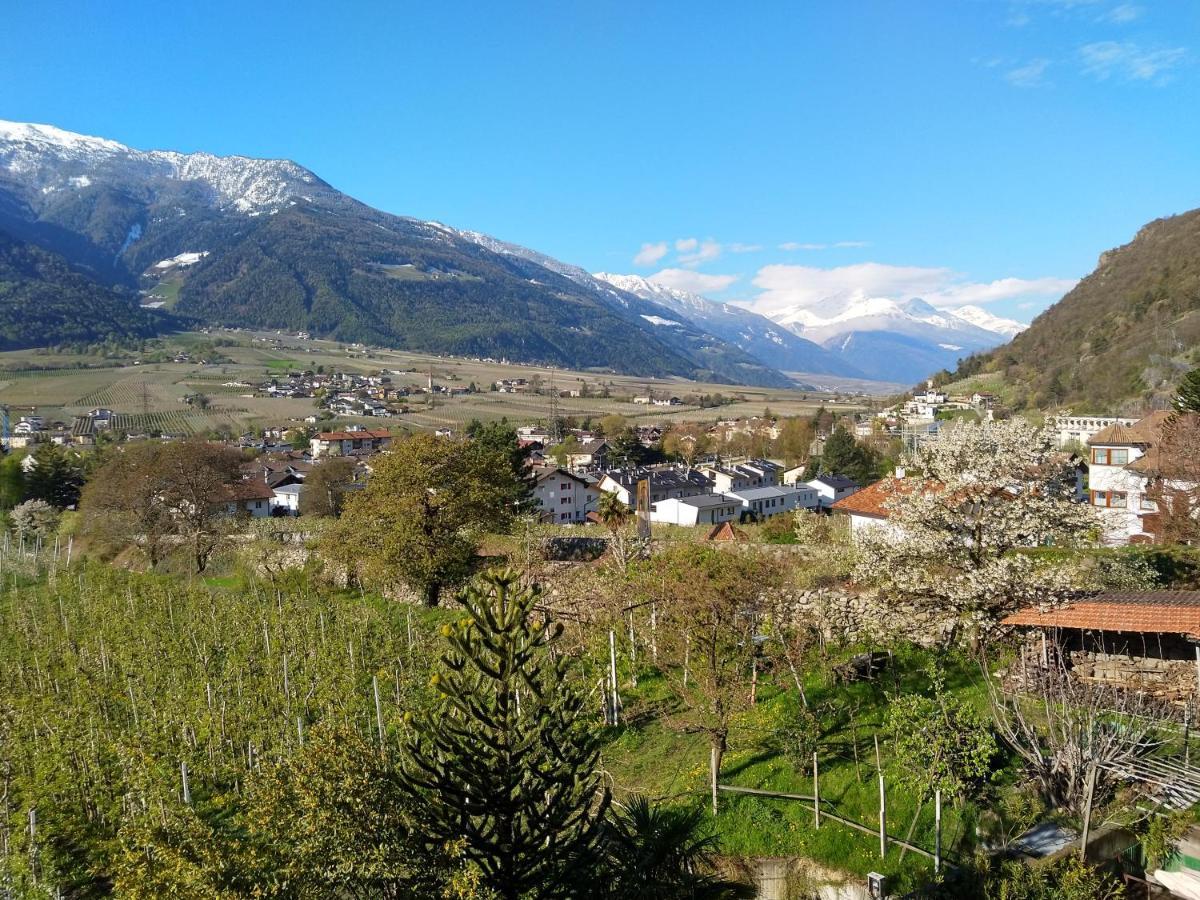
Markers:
point(981, 318)
point(49, 159)
point(28, 132)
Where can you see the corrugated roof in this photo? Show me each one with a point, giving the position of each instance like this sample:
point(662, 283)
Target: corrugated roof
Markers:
point(1149, 612)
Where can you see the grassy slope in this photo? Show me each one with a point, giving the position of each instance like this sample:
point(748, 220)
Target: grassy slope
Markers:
point(664, 762)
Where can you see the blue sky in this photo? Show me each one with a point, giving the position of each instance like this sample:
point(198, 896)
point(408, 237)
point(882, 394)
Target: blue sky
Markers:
point(963, 150)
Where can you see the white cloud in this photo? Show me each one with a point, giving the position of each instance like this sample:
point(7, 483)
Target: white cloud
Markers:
point(1129, 61)
point(650, 254)
point(686, 245)
point(785, 286)
point(696, 282)
point(1123, 14)
point(707, 252)
point(1029, 75)
point(790, 246)
point(744, 248)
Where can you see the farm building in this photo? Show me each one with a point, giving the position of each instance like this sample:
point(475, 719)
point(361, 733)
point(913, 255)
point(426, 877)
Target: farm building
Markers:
point(1141, 640)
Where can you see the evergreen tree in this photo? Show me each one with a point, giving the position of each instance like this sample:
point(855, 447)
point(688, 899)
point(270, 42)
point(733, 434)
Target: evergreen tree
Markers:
point(56, 476)
point(843, 455)
point(12, 481)
point(506, 764)
point(1188, 397)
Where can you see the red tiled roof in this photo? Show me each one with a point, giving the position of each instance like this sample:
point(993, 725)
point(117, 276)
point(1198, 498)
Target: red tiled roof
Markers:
point(870, 500)
point(1154, 612)
point(354, 435)
point(1146, 430)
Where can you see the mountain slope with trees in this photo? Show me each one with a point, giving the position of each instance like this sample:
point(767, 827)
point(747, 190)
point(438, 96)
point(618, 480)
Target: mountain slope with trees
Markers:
point(277, 247)
point(1121, 339)
point(44, 301)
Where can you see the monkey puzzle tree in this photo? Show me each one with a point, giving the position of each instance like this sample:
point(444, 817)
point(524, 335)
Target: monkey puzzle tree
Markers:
point(506, 764)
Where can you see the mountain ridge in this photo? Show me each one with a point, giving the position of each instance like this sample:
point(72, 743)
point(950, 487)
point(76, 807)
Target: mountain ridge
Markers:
point(1119, 341)
point(335, 266)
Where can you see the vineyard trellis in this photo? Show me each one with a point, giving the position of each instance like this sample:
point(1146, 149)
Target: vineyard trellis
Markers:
point(119, 688)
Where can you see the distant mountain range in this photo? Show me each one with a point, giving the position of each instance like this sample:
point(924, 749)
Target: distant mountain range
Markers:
point(266, 243)
point(1121, 339)
point(845, 334)
point(757, 335)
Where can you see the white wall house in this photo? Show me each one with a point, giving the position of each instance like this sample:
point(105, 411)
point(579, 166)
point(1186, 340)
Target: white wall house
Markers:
point(286, 499)
point(563, 497)
point(831, 488)
point(765, 502)
point(866, 509)
point(707, 509)
point(1118, 478)
point(665, 484)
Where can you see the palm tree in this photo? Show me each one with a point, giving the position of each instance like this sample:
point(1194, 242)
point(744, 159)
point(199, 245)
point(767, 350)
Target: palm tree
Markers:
point(612, 512)
point(660, 853)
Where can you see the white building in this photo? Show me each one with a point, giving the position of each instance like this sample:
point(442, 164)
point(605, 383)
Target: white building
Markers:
point(286, 499)
point(563, 497)
point(1119, 476)
point(765, 502)
point(831, 488)
point(1067, 428)
point(866, 509)
point(707, 509)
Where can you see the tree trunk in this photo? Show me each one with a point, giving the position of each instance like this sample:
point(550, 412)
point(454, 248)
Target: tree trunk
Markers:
point(430, 594)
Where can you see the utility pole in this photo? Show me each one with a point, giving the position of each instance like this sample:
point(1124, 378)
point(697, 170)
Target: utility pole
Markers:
point(555, 421)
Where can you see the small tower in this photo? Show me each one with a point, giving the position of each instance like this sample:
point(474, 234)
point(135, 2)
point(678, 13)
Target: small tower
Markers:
point(429, 385)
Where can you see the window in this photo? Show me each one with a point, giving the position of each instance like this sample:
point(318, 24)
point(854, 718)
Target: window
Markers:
point(563, 517)
point(1110, 499)
point(1149, 505)
point(1103, 456)
point(564, 501)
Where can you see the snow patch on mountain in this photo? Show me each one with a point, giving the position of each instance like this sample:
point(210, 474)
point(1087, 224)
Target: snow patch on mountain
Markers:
point(50, 159)
point(658, 320)
point(980, 317)
point(182, 259)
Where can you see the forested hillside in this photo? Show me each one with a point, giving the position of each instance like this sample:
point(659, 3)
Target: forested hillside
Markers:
point(1120, 340)
point(44, 301)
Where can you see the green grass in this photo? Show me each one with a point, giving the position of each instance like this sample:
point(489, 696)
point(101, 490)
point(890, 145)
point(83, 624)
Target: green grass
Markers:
point(167, 291)
point(661, 760)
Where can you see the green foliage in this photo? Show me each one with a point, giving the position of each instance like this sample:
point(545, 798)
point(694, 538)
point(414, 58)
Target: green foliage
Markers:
point(1187, 397)
point(12, 481)
point(941, 743)
point(660, 853)
point(1120, 336)
point(1069, 880)
point(56, 476)
point(110, 681)
point(420, 518)
point(507, 761)
point(1162, 836)
point(844, 455)
point(325, 488)
point(44, 301)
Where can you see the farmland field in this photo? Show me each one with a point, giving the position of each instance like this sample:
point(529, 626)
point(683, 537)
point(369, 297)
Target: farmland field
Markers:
point(147, 393)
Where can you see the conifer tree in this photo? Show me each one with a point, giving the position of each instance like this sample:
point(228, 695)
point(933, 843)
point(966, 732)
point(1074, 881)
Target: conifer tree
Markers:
point(506, 763)
point(1187, 399)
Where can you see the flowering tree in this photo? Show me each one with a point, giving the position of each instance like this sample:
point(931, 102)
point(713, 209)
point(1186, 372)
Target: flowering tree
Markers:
point(979, 494)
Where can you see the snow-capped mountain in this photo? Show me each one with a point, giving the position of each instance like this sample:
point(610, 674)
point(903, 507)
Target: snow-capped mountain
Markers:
point(895, 340)
point(50, 160)
point(266, 243)
point(756, 334)
point(980, 317)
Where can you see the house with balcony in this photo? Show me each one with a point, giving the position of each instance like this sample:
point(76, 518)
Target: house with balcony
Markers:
point(562, 497)
point(1121, 470)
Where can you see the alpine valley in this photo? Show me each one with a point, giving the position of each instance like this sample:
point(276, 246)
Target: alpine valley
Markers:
point(154, 240)
point(266, 243)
